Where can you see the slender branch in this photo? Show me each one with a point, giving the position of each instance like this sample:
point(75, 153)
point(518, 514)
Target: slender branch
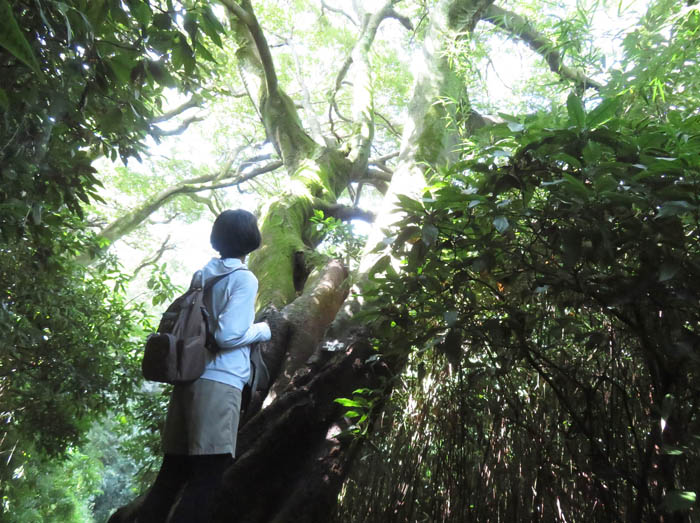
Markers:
point(272, 166)
point(342, 73)
point(127, 223)
point(520, 28)
point(389, 125)
point(314, 124)
point(158, 132)
point(195, 101)
point(244, 81)
point(337, 111)
point(165, 246)
point(358, 194)
point(332, 9)
point(333, 104)
point(207, 202)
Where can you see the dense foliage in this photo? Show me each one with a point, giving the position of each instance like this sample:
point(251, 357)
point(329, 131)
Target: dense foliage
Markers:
point(79, 80)
point(556, 269)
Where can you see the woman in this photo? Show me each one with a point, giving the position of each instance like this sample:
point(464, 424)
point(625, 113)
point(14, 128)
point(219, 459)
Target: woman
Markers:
point(199, 439)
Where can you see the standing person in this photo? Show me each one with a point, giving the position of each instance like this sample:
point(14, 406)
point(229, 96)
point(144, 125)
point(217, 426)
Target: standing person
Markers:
point(199, 438)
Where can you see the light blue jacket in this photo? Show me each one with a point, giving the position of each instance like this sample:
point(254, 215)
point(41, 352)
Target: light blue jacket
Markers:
point(231, 306)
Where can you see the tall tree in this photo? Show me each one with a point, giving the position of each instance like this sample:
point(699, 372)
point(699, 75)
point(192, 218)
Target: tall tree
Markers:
point(296, 450)
point(296, 445)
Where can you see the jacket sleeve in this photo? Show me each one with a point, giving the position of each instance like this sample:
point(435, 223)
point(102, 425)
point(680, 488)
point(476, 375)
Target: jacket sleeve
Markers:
point(235, 327)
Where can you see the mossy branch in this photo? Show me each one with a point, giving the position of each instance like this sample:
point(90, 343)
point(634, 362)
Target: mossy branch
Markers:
point(520, 28)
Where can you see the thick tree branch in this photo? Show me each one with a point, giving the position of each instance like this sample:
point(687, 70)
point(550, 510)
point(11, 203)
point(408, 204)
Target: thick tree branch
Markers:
point(344, 212)
point(383, 159)
point(276, 110)
point(403, 20)
point(245, 15)
point(363, 99)
point(130, 221)
point(375, 175)
point(520, 28)
point(311, 313)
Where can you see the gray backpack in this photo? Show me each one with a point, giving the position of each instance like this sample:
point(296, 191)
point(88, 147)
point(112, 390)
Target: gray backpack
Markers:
point(177, 353)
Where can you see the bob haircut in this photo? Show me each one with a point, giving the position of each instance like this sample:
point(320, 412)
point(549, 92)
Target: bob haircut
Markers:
point(235, 233)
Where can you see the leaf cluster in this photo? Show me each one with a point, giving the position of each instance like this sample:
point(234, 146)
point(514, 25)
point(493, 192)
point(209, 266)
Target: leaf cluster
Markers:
point(569, 252)
point(81, 79)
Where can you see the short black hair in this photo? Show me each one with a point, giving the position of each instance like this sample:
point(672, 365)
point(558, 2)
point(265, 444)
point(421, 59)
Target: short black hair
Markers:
point(235, 233)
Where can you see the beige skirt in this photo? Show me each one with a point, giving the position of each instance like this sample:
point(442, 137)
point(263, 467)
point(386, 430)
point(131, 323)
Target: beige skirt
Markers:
point(202, 419)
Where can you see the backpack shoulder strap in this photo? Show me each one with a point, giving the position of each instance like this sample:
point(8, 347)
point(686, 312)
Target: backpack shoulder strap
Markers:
point(213, 281)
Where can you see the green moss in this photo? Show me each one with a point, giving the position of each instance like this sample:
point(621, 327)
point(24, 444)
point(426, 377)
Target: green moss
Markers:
point(282, 227)
point(285, 222)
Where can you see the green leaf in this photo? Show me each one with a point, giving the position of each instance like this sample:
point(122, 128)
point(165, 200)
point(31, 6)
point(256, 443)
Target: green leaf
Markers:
point(577, 185)
point(347, 402)
point(211, 26)
point(574, 107)
point(96, 13)
point(671, 450)
point(183, 56)
point(501, 224)
point(202, 51)
point(12, 38)
point(381, 265)
point(605, 111)
point(63, 8)
point(679, 500)
point(407, 233)
point(121, 65)
point(674, 208)
point(668, 270)
point(142, 13)
point(162, 21)
point(429, 234)
point(191, 25)
point(567, 158)
point(409, 204)
point(516, 127)
point(592, 152)
point(4, 101)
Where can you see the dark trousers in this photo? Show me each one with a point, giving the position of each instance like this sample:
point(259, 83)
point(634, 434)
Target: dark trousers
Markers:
point(197, 477)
